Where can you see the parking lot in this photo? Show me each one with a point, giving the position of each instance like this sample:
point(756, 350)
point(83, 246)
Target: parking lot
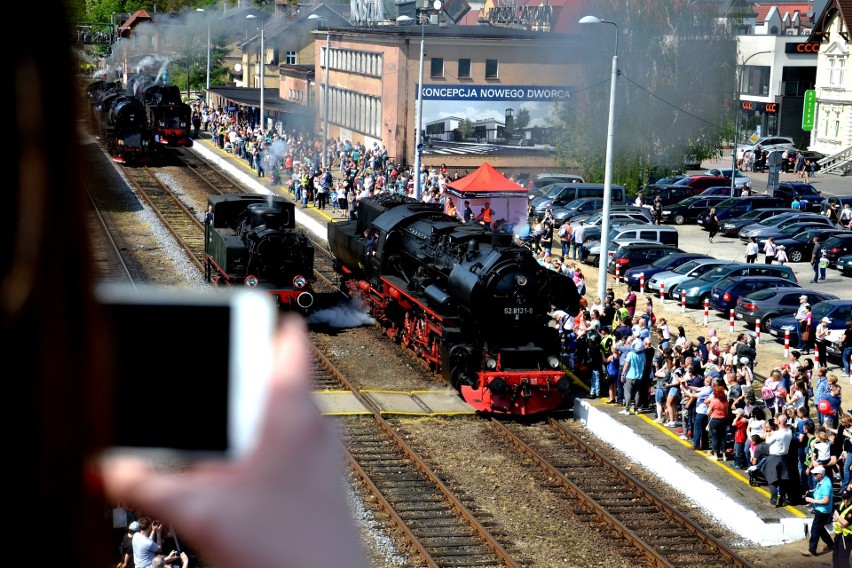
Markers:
point(693, 238)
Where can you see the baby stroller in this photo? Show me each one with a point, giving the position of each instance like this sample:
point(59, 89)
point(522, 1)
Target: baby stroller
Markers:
point(756, 477)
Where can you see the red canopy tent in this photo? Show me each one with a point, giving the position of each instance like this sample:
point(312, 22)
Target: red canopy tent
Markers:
point(507, 199)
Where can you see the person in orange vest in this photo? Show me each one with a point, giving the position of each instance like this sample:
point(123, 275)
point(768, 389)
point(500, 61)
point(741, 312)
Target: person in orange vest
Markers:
point(485, 215)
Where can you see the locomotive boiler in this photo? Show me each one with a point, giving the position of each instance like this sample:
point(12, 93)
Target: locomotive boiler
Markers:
point(252, 240)
point(470, 302)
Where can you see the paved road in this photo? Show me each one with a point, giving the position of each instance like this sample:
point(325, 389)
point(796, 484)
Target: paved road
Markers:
point(828, 184)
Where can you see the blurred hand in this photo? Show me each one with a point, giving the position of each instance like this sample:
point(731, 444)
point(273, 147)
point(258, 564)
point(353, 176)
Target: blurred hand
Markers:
point(282, 504)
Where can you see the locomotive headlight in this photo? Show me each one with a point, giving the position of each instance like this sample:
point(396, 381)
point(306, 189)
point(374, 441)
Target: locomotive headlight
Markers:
point(521, 279)
point(490, 364)
point(299, 282)
point(252, 281)
point(553, 362)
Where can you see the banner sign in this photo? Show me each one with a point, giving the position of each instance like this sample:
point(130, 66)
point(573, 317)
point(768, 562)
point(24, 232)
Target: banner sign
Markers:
point(809, 110)
point(494, 93)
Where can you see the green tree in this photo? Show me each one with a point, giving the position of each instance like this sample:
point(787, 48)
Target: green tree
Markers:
point(673, 93)
point(466, 128)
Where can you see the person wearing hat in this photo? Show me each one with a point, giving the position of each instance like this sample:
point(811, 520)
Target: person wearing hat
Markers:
point(125, 550)
point(821, 500)
point(631, 376)
point(843, 529)
point(781, 255)
point(821, 339)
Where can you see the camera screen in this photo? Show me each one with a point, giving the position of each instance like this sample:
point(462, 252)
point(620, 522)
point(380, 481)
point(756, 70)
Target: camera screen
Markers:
point(172, 365)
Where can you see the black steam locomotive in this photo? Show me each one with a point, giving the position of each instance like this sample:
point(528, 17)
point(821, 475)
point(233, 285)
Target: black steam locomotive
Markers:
point(170, 118)
point(470, 302)
point(120, 122)
point(252, 240)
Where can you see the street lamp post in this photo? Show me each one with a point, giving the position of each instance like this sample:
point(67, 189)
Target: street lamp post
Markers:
point(739, 75)
point(262, 73)
point(607, 197)
point(418, 111)
point(208, 48)
point(326, 94)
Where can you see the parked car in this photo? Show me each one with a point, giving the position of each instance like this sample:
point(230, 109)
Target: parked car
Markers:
point(592, 251)
point(726, 292)
point(695, 184)
point(770, 225)
point(794, 229)
point(790, 165)
point(642, 214)
point(732, 226)
point(577, 207)
point(539, 182)
point(688, 210)
point(768, 144)
point(837, 246)
point(723, 191)
point(799, 246)
point(563, 193)
point(671, 279)
point(765, 305)
point(838, 311)
point(698, 289)
point(808, 195)
point(639, 254)
point(840, 200)
point(844, 265)
point(738, 206)
point(740, 179)
point(633, 276)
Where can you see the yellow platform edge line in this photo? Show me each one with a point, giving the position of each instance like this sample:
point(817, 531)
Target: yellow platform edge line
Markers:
point(731, 471)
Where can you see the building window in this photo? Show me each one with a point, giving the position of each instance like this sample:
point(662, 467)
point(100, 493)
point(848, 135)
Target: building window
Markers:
point(836, 71)
point(291, 58)
point(491, 69)
point(756, 80)
point(464, 68)
point(437, 67)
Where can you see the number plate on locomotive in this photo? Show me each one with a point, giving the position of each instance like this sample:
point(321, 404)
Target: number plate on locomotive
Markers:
point(518, 311)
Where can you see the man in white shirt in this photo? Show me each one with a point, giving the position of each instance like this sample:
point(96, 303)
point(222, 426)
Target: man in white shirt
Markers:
point(147, 543)
point(775, 469)
point(769, 249)
point(579, 238)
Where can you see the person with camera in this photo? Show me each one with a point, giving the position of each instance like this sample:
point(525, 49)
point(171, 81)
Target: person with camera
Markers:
point(147, 542)
point(821, 500)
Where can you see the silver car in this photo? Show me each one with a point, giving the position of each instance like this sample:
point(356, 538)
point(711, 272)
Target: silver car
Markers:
point(686, 271)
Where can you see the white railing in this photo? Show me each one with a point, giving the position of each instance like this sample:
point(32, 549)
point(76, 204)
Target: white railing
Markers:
point(839, 163)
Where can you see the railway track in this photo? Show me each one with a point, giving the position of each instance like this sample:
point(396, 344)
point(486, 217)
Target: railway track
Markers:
point(642, 525)
point(434, 520)
point(182, 223)
point(106, 252)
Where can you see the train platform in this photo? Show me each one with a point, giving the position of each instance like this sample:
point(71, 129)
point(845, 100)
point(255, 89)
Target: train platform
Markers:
point(716, 488)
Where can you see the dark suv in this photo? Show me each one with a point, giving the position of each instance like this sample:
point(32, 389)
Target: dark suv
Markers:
point(639, 254)
point(808, 195)
point(736, 206)
point(669, 194)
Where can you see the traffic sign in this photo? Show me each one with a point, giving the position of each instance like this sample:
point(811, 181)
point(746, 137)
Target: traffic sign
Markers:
point(754, 138)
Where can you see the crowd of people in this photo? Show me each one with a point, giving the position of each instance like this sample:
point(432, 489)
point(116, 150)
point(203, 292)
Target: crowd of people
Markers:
point(788, 431)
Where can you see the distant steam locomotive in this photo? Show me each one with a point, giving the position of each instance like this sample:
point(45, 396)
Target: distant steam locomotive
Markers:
point(120, 122)
point(170, 118)
point(132, 122)
point(471, 303)
point(252, 240)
